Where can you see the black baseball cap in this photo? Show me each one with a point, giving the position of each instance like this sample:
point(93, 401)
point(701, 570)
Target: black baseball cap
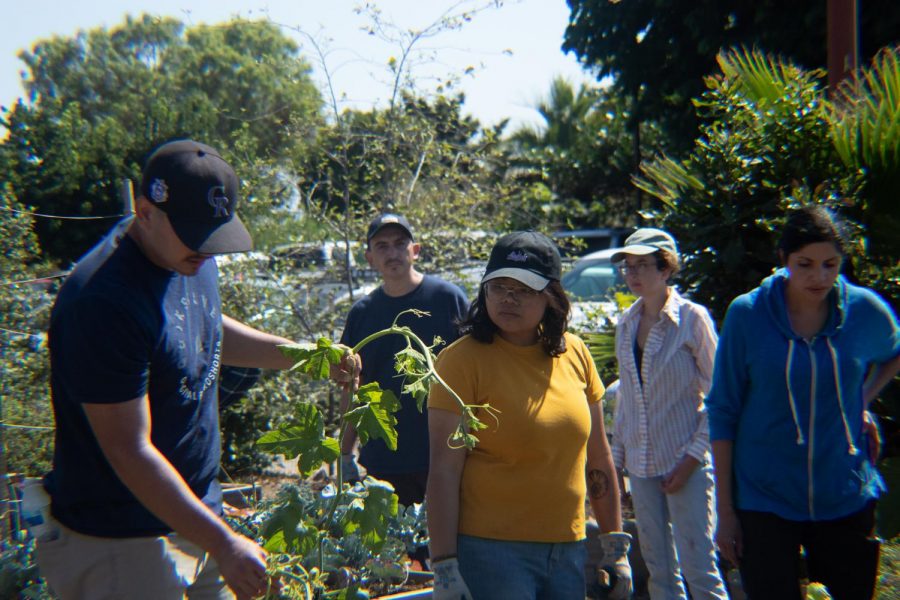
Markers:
point(528, 257)
point(386, 219)
point(198, 191)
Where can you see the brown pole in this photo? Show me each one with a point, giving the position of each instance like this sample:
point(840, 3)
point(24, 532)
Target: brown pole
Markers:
point(842, 41)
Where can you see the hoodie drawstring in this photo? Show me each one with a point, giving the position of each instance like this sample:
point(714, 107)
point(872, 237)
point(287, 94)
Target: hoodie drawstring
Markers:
point(787, 380)
point(852, 449)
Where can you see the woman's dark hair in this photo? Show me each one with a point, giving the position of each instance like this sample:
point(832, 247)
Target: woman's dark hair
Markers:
point(551, 329)
point(810, 224)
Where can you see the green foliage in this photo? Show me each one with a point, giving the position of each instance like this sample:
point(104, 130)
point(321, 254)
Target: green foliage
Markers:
point(764, 145)
point(100, 101)
point(269, 292)
point(321, 541)
point(24, 318)
point(889, 571)
point(306, 439)
point(19, 576)
point(421, 158)
point(658, 52)
point(889, 520)
point(313, 530)
point(865, 129)
point(374, 417)
point(585, 154)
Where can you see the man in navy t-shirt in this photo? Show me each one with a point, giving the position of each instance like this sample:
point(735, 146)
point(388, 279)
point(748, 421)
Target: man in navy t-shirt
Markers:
point(136, 340)
point(392, 251)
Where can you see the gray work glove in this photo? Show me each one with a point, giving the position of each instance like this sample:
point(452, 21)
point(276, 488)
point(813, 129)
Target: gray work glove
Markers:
point(351, 472)
point(614, 571)
point(448, 583)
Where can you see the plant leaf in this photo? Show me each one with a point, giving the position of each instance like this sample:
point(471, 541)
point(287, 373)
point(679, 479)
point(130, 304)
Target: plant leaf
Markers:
point(316, 360)
point(370, 517)
point(305, 438)
point(374, 418)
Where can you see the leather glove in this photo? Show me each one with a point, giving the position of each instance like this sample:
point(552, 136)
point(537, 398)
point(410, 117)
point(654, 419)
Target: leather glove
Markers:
point(613, 570)
point(350, 469)
point(448, 583)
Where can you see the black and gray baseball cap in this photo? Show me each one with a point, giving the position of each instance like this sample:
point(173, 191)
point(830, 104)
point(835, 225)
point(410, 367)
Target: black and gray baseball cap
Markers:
point(644, 241)
point(528, 257)
point(198, 191)
point(386, 220)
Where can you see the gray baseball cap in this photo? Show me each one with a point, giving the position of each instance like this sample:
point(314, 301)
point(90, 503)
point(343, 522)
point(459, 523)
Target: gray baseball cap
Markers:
point(644, 241)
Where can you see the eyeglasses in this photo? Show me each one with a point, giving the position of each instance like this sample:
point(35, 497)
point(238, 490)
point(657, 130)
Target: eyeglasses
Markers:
point(497, 291)
point(636, 269)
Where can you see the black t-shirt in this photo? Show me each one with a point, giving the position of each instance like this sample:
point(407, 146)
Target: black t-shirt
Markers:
point(121, 328)
point(447, 304)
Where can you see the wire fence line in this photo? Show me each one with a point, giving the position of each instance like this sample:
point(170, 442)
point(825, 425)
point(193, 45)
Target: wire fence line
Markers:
point(62, 217)
point(36, 279)
point(18, 426)
point(21, 333)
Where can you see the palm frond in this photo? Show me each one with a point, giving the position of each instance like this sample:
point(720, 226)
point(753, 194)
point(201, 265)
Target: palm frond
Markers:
point(762, 78)
point(865, 122)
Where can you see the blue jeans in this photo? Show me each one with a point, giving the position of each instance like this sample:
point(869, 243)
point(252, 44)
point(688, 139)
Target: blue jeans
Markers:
point(676, 536)
point(502, 570)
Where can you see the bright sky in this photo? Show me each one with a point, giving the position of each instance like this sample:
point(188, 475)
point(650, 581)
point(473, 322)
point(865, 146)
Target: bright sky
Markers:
point(514, 49)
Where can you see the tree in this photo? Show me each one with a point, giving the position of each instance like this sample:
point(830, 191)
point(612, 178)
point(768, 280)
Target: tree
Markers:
point(659, 51)
point(25, 416)
point(764, 144)
point(865, 121)
point(584, 154)
point(418, 154)
point(100, 101)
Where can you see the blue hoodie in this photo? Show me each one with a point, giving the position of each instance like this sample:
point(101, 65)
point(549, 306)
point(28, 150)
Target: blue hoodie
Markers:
point(793, 407)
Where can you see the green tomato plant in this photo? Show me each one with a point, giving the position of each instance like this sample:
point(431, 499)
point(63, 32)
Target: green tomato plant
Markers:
point(343, 538)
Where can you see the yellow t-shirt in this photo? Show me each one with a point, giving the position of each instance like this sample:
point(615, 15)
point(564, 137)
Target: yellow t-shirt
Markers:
point(525, 480)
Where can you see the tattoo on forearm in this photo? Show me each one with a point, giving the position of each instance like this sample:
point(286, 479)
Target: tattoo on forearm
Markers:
point(598, 482)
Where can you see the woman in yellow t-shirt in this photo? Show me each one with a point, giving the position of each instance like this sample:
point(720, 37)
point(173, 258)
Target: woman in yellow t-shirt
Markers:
point(506, 520)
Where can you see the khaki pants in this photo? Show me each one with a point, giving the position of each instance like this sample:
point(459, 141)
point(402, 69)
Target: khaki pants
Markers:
point(83, 567)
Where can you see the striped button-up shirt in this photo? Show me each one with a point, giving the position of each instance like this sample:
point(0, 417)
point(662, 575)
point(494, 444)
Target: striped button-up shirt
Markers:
point(660, 416)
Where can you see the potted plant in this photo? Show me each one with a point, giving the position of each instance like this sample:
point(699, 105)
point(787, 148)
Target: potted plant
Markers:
point(340, 540)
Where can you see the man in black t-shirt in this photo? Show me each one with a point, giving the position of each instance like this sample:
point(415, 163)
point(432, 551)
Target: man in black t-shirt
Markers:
point(136, 341)
point(392, 251)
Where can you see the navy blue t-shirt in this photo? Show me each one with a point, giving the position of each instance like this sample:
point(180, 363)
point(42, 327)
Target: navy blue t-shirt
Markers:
point(121, 328)
point(447, 304)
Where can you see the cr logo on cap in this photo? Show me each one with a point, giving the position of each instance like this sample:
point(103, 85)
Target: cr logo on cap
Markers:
point(218, 200)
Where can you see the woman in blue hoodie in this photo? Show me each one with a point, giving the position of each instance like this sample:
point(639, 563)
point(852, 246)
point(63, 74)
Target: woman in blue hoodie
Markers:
point(799, 359)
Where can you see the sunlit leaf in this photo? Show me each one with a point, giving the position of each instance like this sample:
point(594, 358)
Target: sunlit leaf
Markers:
point(374, 418)
point(305, 439)
point(316, 360)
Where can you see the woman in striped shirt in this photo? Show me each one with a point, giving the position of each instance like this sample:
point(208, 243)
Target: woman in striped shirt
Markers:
point(665, 346)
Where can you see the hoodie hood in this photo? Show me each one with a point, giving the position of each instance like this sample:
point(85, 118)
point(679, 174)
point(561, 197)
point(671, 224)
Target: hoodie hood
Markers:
point(773, 289)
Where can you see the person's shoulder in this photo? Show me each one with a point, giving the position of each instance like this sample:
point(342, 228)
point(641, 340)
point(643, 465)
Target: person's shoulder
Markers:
point(575, 343)
point(686, 306)
point(862, 298)
point(746, 302)
point(366, 301)
point(442, 285)
point(464, 348)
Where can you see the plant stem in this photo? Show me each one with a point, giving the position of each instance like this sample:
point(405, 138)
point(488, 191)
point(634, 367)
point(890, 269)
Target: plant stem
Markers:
point(426, 352)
